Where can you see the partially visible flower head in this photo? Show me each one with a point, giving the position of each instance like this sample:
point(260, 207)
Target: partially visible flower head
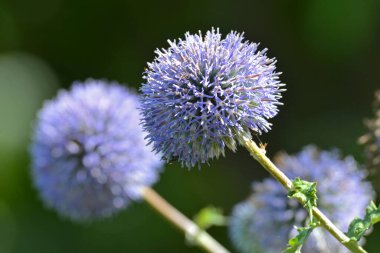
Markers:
point(203, 91)
point(371, 141)
point(264, 222)
point(89, 156)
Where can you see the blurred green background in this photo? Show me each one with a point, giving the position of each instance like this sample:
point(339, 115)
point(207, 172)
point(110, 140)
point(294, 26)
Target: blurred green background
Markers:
point(328, 51)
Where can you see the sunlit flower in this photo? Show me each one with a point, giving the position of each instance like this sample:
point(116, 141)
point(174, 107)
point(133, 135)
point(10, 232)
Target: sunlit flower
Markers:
point(203, 91)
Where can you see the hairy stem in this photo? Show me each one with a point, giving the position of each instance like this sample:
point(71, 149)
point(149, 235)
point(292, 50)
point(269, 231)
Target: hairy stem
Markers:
point(200, 237)
point(259, 155)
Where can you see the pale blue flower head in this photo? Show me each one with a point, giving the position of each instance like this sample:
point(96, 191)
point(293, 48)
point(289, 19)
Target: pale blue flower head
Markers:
point(203, 92)
point(89, 156)
point(264, 222)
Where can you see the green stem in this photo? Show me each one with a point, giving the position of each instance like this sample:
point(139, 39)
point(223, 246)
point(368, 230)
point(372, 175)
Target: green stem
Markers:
point(194, 233)
point(259, 155)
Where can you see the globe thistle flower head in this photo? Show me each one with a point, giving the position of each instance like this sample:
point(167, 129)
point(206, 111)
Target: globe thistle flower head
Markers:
point(264, 222)
point(371, 142)
point(204, 91)
point(89, 156)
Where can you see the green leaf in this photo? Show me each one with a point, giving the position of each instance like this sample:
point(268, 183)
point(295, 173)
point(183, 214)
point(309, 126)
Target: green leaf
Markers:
point(357, 229)
point(210, 216)
point(373, 213)
point(358, 226)
point(295, 243)
point(306, 193)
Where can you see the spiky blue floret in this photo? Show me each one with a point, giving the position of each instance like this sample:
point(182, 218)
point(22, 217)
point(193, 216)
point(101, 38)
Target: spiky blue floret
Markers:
point(89, 156)
point(264, 222)
point(204, 90)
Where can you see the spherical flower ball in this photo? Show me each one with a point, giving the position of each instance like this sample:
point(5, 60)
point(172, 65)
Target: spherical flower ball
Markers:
point(265, 221)
point(371, 142)
point(203, 92)
point(89, 156)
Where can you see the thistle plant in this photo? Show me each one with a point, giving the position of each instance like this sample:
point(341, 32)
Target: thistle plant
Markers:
point(343, 195)
point(90, 159)
point(371, 142)
point(205, 93)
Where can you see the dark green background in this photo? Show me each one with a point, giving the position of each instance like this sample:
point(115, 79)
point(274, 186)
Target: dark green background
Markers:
point(328, 51)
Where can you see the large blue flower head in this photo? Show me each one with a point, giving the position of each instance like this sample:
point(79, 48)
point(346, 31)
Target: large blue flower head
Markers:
point(89, 156)
point(204, 91)
point(264, 222)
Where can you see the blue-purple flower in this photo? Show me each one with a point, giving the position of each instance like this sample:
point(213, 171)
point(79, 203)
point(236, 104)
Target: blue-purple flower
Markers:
point(89, 156)
point(264, 222)
point(204, 91)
